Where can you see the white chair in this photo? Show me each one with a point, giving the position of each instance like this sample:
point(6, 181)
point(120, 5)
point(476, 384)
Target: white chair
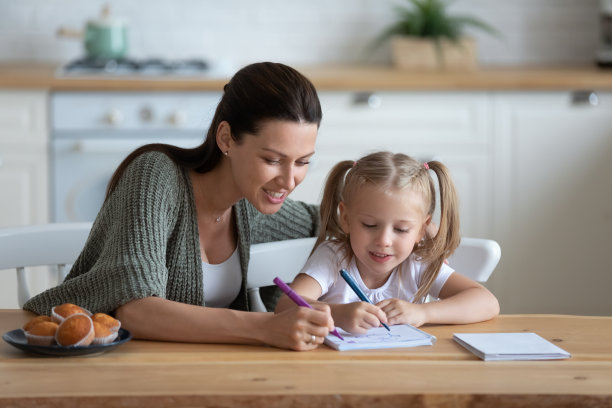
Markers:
point(475, 258)
point(271, 259)
point(55, 245)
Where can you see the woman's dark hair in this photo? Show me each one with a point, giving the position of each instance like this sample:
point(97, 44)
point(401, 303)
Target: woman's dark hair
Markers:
point(256, 93)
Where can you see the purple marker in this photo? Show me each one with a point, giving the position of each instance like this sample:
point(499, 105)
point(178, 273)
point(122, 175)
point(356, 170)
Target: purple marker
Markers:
point(298, 299)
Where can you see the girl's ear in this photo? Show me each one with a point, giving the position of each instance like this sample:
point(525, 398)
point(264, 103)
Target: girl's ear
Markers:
point(344, 223)
point(224, 136)
point(424, 228)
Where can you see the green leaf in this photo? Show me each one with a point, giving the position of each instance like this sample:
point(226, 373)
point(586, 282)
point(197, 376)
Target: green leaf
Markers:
point(429, 19)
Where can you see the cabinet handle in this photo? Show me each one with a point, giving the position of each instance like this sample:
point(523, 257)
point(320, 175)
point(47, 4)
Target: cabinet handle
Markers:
point(369, 99)
point(581, 98)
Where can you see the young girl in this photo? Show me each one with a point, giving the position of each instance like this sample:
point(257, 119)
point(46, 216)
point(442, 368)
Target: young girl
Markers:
point(374, 217)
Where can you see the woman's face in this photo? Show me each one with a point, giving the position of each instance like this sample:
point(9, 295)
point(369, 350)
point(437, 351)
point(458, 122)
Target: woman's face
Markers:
point(269, 165)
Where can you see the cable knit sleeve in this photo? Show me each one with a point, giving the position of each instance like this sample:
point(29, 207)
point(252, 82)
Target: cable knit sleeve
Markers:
point(124, 257)
point(295, 219)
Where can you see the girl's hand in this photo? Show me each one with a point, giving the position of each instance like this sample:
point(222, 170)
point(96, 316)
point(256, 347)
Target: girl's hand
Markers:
point(403, 312)
point(294, 328)
point(358, 317)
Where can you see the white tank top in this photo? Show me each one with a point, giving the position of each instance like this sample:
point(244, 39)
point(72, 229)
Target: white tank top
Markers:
point(222, 281)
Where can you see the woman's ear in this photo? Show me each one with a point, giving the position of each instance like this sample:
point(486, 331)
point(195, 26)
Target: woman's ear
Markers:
point(224, 136)
point(344, 222)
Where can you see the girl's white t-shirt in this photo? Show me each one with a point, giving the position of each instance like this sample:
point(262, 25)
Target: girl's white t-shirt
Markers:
point(325, 263)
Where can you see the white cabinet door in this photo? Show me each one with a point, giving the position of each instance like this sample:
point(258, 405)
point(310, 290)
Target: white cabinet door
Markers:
point(553, 203)
point(23, 158)
point(23, 174)
point(23, 185)
point(451, 127)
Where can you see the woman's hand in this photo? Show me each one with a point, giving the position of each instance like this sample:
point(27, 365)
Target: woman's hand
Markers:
point(298, 328)
point(358, 317)
point(403, 312)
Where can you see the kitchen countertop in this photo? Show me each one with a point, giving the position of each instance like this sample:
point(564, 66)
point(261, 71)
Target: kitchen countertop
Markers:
point(31, 76)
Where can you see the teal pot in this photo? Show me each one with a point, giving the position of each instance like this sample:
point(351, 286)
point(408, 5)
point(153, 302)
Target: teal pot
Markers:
point(106, 38)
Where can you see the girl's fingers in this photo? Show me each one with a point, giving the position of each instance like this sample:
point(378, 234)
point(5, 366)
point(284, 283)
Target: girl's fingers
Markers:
point(383, 303)
point(379, 314)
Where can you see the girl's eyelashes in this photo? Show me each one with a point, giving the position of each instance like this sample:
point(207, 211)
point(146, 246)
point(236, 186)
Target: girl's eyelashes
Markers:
point(374, 225)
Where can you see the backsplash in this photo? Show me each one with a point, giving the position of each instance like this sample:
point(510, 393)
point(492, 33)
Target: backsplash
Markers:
point(236, 32)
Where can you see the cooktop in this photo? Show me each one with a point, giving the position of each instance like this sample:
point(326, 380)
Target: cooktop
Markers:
point(135, 67)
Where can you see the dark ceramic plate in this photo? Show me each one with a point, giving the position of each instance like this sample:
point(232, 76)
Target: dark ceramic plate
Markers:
point(17, 338)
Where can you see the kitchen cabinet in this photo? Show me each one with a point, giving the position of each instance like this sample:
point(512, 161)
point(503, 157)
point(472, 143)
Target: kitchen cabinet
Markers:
point(23, 172)
point(454, 128)
point(23, 158)
point(553, 202)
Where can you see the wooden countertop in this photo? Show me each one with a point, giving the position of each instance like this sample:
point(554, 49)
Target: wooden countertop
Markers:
point(364, 78)
point(156, 374)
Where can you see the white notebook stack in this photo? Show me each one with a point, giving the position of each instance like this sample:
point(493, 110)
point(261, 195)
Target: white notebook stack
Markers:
point(510, 346)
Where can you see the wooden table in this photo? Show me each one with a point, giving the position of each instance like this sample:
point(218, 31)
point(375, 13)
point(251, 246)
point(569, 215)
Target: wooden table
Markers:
point(155, 374)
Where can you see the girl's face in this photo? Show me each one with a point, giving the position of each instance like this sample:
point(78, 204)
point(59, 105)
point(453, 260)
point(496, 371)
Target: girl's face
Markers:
point(268, 166)
point(383, 227)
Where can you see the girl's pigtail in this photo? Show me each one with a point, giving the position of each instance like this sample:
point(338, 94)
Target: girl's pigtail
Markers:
point(439, 248)
point(332, 195)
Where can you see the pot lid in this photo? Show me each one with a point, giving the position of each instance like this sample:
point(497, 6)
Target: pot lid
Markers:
point(106, 19)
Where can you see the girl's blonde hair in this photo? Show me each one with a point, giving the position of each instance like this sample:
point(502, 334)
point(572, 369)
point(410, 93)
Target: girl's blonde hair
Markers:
point(389, 171)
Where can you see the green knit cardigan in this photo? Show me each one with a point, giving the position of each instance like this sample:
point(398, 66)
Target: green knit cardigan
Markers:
point(144, 242)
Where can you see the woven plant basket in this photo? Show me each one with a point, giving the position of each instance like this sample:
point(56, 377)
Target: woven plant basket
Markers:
point(423, 54)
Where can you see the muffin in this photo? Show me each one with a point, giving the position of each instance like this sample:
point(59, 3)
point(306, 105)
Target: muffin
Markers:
point(75, 330)
point(61, 312)
point(41, 333)
point(103, 334)
point(109, 321)
point(33, 321)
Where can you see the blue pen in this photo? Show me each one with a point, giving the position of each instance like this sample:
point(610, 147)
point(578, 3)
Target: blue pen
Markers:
point(358, 291)
point(297, 299)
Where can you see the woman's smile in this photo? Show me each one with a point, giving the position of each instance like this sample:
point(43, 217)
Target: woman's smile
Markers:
point(276, 197)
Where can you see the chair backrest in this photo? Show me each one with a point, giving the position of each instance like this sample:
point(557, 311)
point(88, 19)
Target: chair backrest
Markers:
point(55, 245)
point(476, 258)
point(278, 258)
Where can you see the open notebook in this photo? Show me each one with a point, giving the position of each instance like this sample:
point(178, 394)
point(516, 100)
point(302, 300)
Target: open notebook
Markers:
point(403, 335)
point(510, 346)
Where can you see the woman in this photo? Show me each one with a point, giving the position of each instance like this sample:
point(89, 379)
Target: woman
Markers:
point(175, 229)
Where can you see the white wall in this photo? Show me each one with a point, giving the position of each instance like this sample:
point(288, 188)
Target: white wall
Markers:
point(295, 32)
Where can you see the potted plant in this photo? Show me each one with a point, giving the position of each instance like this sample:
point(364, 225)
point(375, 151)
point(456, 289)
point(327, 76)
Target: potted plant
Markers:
point(425, 36)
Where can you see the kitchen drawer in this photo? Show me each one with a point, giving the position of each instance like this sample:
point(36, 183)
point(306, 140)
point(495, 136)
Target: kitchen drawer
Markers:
point(23, 117)
point(385, 118)
point(103, 111)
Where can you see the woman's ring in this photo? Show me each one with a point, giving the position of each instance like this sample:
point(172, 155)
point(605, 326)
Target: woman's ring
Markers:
point(313, 338)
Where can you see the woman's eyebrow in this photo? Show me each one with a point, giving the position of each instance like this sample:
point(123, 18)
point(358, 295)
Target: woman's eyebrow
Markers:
point(284, 155)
